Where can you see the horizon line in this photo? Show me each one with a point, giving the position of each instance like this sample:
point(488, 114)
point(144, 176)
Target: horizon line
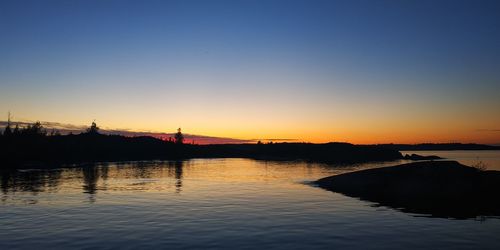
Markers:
point(67, 128)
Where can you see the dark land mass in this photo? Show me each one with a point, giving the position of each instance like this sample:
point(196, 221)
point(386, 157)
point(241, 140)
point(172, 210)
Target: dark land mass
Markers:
point(416, 157)
point(39, 150)
point(434, 188)
point(439, 146)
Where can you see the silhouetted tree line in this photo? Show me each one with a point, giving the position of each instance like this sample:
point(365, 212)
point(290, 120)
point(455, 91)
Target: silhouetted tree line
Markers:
point(32, 145)
point(32, 130)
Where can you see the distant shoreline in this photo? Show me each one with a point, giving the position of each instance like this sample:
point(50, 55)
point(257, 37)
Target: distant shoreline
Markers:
point(439, 146)
point(19, 151)
point(41, 149)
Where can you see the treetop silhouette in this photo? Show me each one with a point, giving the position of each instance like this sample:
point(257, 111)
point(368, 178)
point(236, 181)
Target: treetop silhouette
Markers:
point(179, 137)
point(93, 129)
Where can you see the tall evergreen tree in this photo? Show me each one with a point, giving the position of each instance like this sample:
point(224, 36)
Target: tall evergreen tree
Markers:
point(179, 137)
point(93, 130)
point(7, 131)
point(16, 131)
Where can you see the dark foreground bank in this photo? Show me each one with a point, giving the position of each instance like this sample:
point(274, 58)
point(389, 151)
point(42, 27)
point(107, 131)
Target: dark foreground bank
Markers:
point(86, 147)
point(436, 188)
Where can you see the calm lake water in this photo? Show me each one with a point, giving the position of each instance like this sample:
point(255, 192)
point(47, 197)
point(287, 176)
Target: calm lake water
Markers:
point(217, 204)
point(468, 157)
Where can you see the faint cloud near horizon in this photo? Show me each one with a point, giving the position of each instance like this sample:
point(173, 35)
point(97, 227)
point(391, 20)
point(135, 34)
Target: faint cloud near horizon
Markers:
point(274, 139)
point(488, 130)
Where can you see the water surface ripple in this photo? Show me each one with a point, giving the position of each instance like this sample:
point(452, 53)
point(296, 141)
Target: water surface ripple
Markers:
point(212, 204)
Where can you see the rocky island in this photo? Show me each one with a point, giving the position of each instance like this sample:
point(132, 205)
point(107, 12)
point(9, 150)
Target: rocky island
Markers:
point(434, 188)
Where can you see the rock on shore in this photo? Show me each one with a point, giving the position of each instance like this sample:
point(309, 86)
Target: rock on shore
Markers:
point(435, 188)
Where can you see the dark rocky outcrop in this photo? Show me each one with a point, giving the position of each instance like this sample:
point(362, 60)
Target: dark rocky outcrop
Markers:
point(416, 157)
point(434, 188)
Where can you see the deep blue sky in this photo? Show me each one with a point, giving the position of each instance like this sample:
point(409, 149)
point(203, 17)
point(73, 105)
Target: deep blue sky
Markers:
point(249, 69)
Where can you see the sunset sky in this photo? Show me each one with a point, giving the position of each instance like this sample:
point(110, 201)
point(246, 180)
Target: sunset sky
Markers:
point(318, 71)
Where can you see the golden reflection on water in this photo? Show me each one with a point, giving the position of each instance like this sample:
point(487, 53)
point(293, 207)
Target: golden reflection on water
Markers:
point(192, 176)
point(231, 203)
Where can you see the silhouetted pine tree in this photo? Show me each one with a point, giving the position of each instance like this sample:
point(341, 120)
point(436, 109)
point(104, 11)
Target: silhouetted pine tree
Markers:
point(179, 137)
point(93, 130)
point(34, 130)
point(16, 131)
point(7, 131)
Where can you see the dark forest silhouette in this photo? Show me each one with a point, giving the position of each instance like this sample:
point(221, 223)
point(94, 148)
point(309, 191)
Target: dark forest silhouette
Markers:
point(32, 145)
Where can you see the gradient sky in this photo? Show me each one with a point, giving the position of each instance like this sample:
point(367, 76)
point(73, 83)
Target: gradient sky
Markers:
point(356, 71)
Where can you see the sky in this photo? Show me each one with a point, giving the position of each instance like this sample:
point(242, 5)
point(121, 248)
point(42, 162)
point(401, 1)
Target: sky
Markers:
point(316, 71)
